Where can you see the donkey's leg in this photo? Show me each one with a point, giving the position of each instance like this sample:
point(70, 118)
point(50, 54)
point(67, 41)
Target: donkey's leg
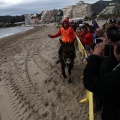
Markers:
point(69, 73)
point(63, 71)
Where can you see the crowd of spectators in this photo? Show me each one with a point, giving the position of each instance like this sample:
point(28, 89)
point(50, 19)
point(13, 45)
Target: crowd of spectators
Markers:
point(102, 72)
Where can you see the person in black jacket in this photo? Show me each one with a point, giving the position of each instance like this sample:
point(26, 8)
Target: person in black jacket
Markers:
point(112, 36)
point(106, 85)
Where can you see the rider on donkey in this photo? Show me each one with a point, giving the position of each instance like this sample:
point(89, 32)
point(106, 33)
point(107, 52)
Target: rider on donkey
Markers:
point(68, 36)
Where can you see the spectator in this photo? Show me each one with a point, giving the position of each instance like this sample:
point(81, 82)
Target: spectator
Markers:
point(86, 24)
point(95, 24)
point(92, 46)
point(88, 39)
point(113, 22)
point(107, 25)
point(73, 25)
point(97, 98)
point(112, 36)
point(81, 33)
point(98, 33)
point(118, 25)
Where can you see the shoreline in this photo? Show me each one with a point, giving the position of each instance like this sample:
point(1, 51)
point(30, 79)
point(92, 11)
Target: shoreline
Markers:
point(14, 30)
point(20, 35)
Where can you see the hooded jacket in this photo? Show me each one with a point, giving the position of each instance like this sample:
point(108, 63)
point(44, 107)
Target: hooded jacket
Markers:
point(88, 39)
point(68, 34)
point(81, 35)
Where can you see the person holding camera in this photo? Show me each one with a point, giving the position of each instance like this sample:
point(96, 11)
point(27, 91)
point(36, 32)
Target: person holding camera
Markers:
point(112, 36)
point(102, 74)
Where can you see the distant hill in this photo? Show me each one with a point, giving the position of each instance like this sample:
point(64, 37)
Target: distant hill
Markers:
point(100, 5)
point(116, 1)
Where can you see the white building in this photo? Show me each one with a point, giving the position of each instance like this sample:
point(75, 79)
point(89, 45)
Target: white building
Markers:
point(27, 19)
point(79, 10)
point(82, 9)
point(44, 13)
point(68, 11)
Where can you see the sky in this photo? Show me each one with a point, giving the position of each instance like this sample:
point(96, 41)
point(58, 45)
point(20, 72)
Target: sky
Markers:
point(20, 7)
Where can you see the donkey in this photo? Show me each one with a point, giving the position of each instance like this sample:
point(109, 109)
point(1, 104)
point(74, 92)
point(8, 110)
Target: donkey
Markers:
point(67, 59)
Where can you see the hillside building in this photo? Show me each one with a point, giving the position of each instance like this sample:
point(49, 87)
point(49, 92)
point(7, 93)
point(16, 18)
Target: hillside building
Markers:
point(79, 10)
point(113, 8)
point(27, 19)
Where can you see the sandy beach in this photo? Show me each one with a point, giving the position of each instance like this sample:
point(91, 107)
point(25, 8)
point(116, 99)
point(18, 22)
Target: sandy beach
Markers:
point(31, 85)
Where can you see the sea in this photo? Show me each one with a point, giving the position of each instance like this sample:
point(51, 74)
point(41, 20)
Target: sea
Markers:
point(4, 32)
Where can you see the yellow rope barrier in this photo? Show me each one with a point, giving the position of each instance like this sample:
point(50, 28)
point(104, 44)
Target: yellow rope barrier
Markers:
point(91, 114)
point(89, 95)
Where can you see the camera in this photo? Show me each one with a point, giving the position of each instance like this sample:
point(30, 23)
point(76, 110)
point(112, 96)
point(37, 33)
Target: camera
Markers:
point(98, 40)
point(107, 50)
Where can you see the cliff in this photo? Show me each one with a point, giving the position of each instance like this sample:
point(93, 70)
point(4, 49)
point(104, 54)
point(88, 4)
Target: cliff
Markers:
point(100, 5)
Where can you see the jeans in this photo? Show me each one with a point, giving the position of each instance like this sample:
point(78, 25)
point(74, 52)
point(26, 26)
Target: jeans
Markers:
point(60, 50)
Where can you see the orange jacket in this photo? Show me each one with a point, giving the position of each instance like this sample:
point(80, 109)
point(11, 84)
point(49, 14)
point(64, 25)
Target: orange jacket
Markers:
point(68, 35)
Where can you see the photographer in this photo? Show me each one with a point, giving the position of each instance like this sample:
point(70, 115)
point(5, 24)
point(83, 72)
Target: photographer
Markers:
point(98, 33)
point(112, 36)
point(102, 77)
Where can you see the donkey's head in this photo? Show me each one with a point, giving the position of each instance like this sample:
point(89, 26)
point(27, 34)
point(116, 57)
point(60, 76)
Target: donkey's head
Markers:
point(68, 54)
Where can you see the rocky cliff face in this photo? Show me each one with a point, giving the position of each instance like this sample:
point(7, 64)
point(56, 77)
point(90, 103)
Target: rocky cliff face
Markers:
point(116, 1)
point(100, 5)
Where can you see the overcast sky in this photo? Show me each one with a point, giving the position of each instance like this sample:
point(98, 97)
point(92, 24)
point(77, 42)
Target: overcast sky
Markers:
point(19, 7)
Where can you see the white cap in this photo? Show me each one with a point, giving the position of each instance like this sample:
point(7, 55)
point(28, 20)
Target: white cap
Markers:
point(80, 25)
